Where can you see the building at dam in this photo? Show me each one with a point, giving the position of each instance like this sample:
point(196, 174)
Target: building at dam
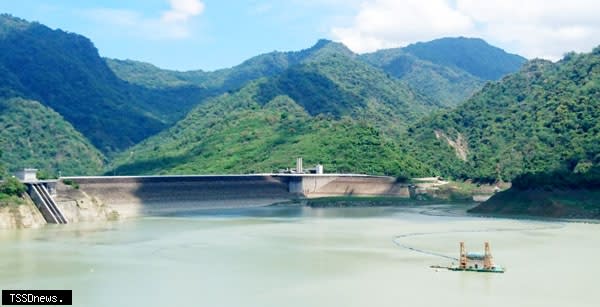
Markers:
point(27, 175)
point(318, 169)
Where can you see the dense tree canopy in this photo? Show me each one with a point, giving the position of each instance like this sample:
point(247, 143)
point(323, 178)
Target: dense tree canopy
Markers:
point(544, 118)
point(305, 111)
point(32, 135)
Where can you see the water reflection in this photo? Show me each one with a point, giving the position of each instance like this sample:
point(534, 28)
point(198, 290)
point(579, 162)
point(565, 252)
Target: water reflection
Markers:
point(295, 211)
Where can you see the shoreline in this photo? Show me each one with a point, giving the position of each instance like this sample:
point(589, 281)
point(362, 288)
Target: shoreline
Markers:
point(440, 208)
point(111, 199)
point(534, 218)
point(565, 204)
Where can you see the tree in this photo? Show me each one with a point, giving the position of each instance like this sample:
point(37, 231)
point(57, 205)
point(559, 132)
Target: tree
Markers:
point(12, 186)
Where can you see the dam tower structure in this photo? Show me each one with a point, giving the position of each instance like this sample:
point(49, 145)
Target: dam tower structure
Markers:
point(463, 256)
point(299, 169)
point(475, 262)
point(488, 259)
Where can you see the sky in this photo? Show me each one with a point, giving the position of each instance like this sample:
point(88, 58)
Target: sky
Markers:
point(207, 34)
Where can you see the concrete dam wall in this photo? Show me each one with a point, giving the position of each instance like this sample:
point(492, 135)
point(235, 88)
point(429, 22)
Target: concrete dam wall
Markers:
point(122, 197)
point(133, 196)
point(323, 186)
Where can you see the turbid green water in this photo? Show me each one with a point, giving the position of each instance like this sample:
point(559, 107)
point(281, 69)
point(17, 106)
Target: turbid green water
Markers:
point(305, 257)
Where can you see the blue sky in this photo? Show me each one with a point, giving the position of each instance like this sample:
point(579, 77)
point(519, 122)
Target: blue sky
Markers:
point(207, 34)
point(224, 34)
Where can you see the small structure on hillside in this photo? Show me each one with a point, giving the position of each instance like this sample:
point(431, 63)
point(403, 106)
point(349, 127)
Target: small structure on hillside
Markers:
point(27, 175)
point(318, 169)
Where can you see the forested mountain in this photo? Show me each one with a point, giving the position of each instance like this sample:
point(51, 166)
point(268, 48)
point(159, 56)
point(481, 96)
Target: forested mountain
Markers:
point(331, 110)
point(340, 85)
point(544, 118)
point(472, 55)
point(325, 103)
point(447, 70)
point(64, 72)
point(443, 80)
point(332, 88)
point(446, 85)
point(334, 109)
point(32, 135)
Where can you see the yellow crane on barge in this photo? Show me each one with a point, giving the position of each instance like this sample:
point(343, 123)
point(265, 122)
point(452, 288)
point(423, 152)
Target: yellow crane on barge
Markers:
point(474, 262)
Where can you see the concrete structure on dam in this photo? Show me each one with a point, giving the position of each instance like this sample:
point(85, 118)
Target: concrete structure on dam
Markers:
point(339, 185)
point(128, 196)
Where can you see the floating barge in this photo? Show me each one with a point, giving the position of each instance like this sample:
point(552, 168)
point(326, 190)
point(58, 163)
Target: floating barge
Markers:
point(474, 262)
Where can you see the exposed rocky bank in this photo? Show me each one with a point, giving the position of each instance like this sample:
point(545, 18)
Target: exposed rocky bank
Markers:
point(24, 215)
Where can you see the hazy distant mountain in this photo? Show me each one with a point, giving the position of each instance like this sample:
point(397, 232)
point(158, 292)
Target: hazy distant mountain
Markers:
point(446, 85)
point(264, 65)
point(447, 70)
point(472, 55)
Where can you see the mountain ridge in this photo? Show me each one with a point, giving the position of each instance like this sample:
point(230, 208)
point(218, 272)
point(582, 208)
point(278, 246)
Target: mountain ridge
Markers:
point(118, 104)
point(445, 83)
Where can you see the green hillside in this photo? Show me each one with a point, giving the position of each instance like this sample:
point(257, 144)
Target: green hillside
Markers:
point(32, 135)
point(544, 118)
point(558, 194)
point(64, 71)
point(235, 133)
point(330, 108)
point(338, 85)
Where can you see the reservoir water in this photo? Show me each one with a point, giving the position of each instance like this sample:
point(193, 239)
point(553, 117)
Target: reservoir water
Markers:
point(298, 256)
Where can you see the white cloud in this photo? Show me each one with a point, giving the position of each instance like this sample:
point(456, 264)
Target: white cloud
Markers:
point(172, 24)
point(182, 10)
point(533, 28)
point(385, 23)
